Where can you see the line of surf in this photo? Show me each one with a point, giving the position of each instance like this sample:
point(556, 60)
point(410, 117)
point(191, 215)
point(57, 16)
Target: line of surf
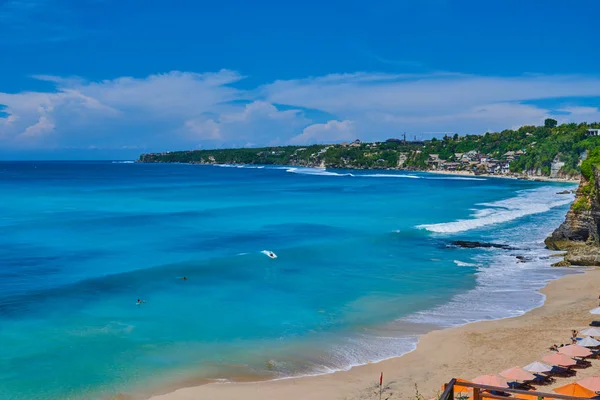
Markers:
point(527, 202)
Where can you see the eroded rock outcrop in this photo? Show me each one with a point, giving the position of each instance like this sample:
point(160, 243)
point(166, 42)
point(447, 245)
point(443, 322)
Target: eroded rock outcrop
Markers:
point(579, 234)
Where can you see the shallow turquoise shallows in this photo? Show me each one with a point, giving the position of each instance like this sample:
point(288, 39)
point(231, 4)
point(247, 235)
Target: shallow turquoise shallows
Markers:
point(364, 265)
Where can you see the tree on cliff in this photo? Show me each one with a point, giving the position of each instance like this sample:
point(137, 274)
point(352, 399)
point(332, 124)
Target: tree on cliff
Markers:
point(550, 123)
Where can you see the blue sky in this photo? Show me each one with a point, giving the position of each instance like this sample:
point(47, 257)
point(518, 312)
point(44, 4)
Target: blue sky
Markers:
point(112, 79)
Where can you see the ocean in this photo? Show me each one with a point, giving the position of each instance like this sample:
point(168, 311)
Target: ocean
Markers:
point(365, 264)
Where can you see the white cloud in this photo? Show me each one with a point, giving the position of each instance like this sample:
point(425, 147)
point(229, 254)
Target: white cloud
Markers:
point(42, 126)
point(330, 132)
point(179, 110)
point(204, 129)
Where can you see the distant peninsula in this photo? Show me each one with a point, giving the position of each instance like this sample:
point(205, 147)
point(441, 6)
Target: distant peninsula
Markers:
point(548, 151)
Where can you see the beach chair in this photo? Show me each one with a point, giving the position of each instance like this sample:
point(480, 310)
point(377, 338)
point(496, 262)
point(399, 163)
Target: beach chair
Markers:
point(542, 380)
point(561, 372)
point(582, 364)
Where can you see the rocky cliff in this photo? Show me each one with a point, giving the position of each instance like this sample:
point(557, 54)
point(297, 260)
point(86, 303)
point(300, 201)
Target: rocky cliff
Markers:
point(579, 234)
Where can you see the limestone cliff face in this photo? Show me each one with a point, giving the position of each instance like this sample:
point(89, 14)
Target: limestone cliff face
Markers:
point(579, 234)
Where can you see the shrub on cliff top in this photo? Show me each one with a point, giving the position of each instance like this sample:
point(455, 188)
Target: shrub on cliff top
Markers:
point(581, 205)
point(586, 165)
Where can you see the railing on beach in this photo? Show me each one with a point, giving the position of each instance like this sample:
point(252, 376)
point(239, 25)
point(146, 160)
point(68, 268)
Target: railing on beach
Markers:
point(481, 392)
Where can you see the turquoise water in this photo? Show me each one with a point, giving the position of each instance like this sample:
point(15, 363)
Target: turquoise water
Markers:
point(363, 267)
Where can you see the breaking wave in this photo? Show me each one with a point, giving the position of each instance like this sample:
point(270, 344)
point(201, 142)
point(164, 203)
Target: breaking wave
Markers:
point(464, 264)
point(315, 171)
point(527, 202)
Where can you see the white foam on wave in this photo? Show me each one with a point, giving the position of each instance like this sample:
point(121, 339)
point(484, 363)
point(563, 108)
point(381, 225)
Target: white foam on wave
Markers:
point(315, 171)
point(527, 202)
point(390, 176)
point(505, 285)
point(123, 162)
point(464, 264)
point(456, 178)
point(269, 253)
point(225, 165)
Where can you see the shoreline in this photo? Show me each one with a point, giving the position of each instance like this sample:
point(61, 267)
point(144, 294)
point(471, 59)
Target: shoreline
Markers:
point(451, 173)
point(224, 389)
point(465, 351)
point(531, 179)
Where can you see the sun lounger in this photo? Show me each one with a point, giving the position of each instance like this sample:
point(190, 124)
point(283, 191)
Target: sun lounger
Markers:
point(561, 372)
point(581, 364)
point(543, 380)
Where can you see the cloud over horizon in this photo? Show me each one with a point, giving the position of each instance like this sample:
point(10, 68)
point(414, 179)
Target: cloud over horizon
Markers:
point(186, 110)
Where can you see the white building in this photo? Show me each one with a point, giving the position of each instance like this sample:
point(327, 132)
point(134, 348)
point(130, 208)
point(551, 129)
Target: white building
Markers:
point(593, 132)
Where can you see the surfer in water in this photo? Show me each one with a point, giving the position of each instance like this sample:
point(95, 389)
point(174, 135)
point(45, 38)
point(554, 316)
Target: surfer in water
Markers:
point(269, 253)
point(140, 301)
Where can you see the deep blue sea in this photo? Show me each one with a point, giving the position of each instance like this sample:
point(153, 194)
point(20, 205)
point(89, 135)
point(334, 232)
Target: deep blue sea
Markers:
point(363, 267)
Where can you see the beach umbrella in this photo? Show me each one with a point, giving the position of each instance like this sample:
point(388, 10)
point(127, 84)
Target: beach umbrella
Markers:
point(591, 383)
point(491, 380)
point(595, 311)
point(529, 397)
point(517, 374)
point(538, 367)
point(589, 341)
point(575, 390)
point(574, 350)
point(591, 331)
point(559, 359)
point(458, 387)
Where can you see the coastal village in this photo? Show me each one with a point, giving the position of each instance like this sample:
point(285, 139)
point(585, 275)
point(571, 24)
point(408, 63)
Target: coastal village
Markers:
point(472, 161)
point(530, 152)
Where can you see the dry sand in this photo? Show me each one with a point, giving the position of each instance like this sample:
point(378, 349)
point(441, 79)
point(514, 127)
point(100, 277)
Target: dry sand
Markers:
point(485, 175)
point(467, 351)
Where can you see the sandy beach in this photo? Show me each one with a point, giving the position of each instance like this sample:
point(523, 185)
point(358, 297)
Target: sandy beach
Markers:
point(466, 352)
point(532, 178)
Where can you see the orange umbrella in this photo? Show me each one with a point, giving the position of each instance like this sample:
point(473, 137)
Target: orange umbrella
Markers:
point(575, 390)
point(530, 397)
point(517, 374)
point(559, 359)
point(592, 383)
point(458, 388)
point(491, 380)
point(574, 350)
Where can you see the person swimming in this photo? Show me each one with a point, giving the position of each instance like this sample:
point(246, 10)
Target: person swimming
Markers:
point(184, 278)
point(140, 301)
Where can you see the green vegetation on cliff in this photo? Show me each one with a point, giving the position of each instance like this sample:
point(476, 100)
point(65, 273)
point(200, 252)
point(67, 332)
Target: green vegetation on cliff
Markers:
point(583, 202)
point(530, 149)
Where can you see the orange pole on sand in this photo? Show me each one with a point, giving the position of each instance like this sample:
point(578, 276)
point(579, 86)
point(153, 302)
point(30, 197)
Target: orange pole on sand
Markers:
point(380, 384)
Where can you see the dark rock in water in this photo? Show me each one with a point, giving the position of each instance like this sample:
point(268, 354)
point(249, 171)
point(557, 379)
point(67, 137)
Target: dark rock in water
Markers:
point(523, 259)
point(467, 244)
point(564, 192)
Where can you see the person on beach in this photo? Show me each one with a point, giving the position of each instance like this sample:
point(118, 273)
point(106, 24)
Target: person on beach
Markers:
point(553, 348)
